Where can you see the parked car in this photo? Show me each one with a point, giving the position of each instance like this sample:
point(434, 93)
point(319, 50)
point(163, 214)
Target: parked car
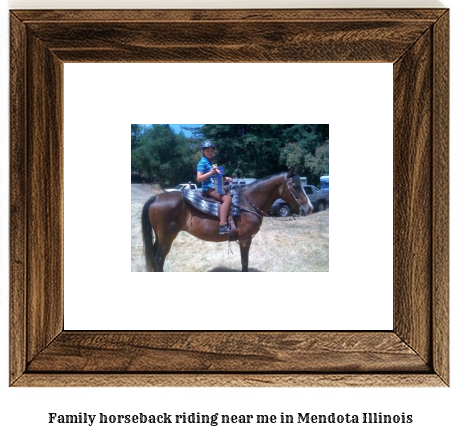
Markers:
point(320, 201)
point(242, 182)
point(181, 187)
point(325, 183)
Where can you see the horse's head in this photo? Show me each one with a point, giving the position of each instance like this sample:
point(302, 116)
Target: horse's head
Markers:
point(293, 193)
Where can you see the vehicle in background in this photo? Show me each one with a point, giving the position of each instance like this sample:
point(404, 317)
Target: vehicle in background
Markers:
point(325, 183)
point(320, 201)
point(242, 182)
point(181, 187)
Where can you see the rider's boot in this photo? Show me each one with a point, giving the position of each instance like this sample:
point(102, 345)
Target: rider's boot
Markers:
point(224, 228)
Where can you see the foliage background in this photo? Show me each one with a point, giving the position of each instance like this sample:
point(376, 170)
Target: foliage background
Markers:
point(160, 155)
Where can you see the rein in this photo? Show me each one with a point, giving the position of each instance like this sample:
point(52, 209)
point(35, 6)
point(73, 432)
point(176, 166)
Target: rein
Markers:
point(258, 212)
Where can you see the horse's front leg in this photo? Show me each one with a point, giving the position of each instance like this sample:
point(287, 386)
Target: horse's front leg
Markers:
point(244, 252)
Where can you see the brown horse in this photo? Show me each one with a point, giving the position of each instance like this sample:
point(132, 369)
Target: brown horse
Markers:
point(167, 214)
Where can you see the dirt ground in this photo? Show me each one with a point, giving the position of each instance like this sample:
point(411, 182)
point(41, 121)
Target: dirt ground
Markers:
point(282, 245)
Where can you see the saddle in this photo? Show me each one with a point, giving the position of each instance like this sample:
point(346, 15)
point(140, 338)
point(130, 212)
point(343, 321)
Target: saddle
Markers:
point(211, 207)
point(204, 204)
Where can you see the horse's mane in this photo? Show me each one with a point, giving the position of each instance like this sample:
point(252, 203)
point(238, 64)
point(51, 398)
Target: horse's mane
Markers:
point(259, 181)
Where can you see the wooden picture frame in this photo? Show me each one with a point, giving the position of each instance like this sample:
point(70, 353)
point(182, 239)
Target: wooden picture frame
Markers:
point(414, 353)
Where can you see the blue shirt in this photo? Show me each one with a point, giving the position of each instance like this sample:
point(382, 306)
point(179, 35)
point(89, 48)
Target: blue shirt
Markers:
point(205, 166)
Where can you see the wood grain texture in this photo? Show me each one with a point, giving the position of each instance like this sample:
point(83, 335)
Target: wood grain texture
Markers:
point(245, 41)
point(440, 189)
point(205, 15)
point(413, 196)
point(235, 352)
point(229, 36)
point(45, 200)
point(18, 193)
point(230, 380)
point(414, 354)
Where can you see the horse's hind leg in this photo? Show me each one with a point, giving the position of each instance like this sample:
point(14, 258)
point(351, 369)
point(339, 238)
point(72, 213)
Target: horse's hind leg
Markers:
point(164, 246)
point(244, 253)
point(156, 245)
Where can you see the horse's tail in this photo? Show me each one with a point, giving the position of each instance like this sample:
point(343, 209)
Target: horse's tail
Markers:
point(147, 238)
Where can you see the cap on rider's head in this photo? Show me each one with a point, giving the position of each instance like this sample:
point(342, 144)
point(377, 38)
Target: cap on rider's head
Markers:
point(208, 144)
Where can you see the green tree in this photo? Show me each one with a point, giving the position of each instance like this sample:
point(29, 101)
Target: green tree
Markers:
point(245, 150)
point(258, 150)
point(318, 163)
point(163, 155)
point(307, 148)
point(137, 131)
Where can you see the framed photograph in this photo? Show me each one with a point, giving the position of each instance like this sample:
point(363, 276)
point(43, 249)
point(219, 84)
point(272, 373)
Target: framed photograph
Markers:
point(415, 352)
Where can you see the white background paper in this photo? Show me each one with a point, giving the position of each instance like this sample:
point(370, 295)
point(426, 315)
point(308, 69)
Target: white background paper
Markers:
point(101, 102)
point(435, 411)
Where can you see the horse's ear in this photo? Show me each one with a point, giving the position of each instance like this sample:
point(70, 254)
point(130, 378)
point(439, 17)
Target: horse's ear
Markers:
point(291, 172)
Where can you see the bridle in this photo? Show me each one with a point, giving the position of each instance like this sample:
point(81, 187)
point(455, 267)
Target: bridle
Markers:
point(286, 185)
point(262, 214)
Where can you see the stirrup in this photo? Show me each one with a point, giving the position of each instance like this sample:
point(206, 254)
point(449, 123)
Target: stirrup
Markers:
point(223, 229)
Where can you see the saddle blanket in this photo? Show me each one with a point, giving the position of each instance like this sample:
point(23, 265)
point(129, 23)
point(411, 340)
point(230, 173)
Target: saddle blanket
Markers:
point(195, 198)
